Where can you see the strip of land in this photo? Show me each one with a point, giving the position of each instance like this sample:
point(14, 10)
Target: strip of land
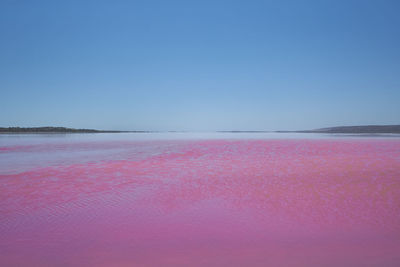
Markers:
point(57, 130)
point(364, 129)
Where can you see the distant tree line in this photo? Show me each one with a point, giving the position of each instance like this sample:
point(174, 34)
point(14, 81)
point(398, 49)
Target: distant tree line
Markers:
point(49, 130)
point(365, 129)
point(361, 129)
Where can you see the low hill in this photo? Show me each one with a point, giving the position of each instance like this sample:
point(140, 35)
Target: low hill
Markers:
point(368, 129)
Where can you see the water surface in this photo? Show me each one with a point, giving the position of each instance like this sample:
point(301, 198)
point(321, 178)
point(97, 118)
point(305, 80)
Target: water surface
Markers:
point(209, 199)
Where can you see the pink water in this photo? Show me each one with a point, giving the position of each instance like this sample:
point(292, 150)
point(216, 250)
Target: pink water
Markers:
point(200, 202)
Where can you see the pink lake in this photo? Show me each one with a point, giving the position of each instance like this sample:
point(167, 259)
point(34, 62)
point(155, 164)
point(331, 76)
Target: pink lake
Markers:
point(193, 200)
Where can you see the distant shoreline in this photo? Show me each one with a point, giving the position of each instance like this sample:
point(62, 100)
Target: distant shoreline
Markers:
point(40, 130)
point(364, 129)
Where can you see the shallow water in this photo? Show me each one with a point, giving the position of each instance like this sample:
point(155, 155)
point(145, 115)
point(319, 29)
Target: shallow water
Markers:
point(183, 199)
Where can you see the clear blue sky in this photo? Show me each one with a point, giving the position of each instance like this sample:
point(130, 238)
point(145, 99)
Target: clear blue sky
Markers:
point(199, 65)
